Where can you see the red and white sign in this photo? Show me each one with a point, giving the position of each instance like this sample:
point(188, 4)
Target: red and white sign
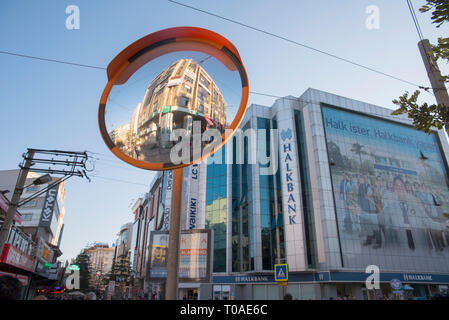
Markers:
point(22, 279)
point(13, 256)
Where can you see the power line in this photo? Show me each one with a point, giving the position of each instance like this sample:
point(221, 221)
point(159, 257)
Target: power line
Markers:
point(51, 60)
point(119, 180)
point(297, 43)
point(415, 19)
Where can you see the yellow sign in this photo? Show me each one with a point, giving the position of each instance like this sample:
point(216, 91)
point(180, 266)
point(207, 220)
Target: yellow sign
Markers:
point(283, 283)
point(46, 253)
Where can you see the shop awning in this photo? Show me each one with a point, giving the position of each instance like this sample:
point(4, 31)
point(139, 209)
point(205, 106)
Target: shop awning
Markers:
point(406, 287)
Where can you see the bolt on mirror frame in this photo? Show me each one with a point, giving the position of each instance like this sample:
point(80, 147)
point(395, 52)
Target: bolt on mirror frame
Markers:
point(156, 44)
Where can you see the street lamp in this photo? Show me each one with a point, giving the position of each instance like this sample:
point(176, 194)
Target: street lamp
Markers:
point(41, 180)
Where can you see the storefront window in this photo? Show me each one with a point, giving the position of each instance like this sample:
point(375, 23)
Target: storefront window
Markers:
point(216, 208)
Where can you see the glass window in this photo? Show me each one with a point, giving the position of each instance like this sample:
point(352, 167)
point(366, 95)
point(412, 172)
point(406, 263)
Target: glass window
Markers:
point(30, 204)
point(185, 102)
point(27, 217)
point(204, 81)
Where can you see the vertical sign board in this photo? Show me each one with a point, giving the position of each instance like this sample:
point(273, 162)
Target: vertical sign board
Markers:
point(193, 263)
point(195, 256)
point(291, 199)
point(48, 208)
point(158, 255)
point(165, 203)
point(195, 199)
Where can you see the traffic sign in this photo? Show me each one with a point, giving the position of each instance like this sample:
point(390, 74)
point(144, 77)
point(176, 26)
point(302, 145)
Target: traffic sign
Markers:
point(281, 272)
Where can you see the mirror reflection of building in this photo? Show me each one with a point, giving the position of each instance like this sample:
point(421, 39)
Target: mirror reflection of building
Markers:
point(180, 95)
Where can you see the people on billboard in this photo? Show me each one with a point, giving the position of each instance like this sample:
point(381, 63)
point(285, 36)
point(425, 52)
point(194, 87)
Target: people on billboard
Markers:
point(378, 207)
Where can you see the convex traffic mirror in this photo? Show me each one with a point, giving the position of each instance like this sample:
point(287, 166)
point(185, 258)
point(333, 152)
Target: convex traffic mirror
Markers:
point(173, 98)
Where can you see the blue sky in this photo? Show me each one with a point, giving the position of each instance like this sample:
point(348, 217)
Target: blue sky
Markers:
point(48, 105)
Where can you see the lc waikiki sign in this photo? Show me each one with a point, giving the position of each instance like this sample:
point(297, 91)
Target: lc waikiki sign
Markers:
point(291, 201)
point(194, 195)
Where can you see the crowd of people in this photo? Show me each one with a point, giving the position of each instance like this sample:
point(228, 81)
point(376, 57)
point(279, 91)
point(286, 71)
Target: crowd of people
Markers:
point(393, 210)
point(12, 289)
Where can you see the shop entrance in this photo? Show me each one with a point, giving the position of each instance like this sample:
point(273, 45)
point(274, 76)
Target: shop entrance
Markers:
point(222, 292)
point(188, 294)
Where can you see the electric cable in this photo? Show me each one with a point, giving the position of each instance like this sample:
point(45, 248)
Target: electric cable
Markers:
point(296, 43)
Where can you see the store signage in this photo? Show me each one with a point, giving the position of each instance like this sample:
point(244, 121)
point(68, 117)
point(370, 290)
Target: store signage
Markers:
point(396, 284)
point(174, 82)
point(288, 166)
point(291, 200)
point(417, 277)
point(16, 258)
point(194, 255)
point(48, 208)
point(165, 204)
point(166, 109)
point(192, 195)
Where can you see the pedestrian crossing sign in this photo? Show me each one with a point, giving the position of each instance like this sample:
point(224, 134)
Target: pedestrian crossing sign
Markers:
point(281, 272)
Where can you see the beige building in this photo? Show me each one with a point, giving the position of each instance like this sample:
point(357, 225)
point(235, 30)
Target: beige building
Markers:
point(182, 93)
point(100, 262)
point(121, 136)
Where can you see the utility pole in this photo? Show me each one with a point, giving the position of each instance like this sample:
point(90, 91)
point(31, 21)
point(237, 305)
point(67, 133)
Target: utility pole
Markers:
point(434, 73)
point(59, 160)
point(171, 287)
point(7, 224)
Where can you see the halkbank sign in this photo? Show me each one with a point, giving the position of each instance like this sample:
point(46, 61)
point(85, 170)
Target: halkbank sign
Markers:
point(291, 201)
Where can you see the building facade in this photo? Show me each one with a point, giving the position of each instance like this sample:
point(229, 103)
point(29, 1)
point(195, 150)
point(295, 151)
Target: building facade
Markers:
point(101, 257)
point(334, 187)
point(181, 94)
point(34, 240)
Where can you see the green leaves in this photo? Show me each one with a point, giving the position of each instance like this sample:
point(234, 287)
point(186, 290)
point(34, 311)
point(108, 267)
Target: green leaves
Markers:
point(440, 12)
point(424, 116)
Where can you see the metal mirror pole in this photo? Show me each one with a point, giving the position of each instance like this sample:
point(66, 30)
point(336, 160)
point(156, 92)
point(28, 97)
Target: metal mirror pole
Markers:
point(171, 287)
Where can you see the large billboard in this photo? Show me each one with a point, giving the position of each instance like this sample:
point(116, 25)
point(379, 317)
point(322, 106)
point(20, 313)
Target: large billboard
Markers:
point(194, 256)
point(390, 185)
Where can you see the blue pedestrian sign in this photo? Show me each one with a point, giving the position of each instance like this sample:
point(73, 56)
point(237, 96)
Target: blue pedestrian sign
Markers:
point(396, 284)
point(281, 272)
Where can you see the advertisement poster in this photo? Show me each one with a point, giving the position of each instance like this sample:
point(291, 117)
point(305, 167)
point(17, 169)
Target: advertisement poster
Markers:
point(193, 262)
point(194, 255)
point(158, 258)
point(390, 185)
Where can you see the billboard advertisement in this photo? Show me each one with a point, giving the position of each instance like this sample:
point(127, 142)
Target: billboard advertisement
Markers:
point(158, 255)
point(390, 186)
point(194, 256)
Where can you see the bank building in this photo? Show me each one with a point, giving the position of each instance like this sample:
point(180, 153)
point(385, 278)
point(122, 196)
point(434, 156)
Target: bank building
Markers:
point(353, 187)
